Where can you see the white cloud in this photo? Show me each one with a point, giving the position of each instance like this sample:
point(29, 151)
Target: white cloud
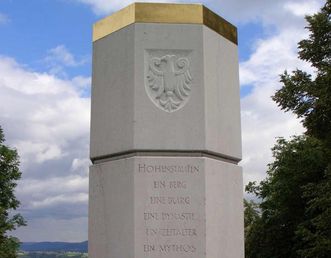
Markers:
point(272, 56)
point(80, 166)
point(47, 119)
point(302, 9)
point(108, 6)
point(61, 199)
point(58, 59)
point(54, 229)
point(37, 188)
point(262, 120)
point(268, 12)
point(20, 81)
point(40, 113)
point(61, 54)
point(3, 18)
point(242, 11)
point(40, 152)
point(82, 82)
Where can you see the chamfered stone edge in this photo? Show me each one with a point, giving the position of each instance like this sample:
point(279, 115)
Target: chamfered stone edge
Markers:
point(125, 119)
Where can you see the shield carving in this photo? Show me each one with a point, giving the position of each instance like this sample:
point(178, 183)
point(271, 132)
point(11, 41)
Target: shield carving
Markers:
point(168, 79)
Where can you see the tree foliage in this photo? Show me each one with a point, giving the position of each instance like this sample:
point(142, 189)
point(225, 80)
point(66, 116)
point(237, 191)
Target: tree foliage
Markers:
point(295, 198)
point(9, 174)
point(252, 217)
point(286, 198)
point(53, 255)
point(308, 98)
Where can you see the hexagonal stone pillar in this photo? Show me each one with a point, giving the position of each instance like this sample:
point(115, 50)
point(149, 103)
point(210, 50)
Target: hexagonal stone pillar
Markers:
point(165, 135)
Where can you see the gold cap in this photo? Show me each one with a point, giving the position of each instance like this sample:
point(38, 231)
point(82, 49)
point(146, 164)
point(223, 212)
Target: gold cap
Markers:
point(164, 13)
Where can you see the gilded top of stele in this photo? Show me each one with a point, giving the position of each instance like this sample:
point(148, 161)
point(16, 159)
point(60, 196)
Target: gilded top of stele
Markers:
point(164, 13)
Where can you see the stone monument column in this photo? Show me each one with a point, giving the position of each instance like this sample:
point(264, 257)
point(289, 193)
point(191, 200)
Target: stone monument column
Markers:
point(165, 135)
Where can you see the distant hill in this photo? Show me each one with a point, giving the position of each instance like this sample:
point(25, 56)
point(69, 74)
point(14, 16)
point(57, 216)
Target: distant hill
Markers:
point(54, 247)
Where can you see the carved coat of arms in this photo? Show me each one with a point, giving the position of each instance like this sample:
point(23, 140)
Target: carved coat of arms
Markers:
point(168, 81)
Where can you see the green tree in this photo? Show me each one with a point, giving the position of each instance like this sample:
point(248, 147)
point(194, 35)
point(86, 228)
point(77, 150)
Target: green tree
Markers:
point(298, 164)
point(252, 219)
point(308, 98)
point(251, 214)
point(295, 197)
point(315, 231)
point(9, 174)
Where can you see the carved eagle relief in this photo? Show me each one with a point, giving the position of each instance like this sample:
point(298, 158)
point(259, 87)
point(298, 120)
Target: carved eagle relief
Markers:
point(169, 79)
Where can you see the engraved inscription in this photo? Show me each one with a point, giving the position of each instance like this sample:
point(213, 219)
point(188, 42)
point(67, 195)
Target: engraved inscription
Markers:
point(145, 168)
point(170, 217)
point(168, 79)
point(166, 232)
point(170, 248)
point(179, 200)
point(170, 185)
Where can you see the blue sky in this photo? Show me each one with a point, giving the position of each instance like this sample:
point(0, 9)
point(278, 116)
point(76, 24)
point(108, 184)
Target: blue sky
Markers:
point(45, 25)
point(34, 27)
point(45, 80)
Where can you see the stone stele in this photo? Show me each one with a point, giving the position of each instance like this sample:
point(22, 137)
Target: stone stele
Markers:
point(165, 135)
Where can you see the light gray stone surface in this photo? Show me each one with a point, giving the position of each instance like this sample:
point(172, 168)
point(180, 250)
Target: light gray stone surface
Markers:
point(165, 140)
point(147, 207)
point(125, 118)
point(112, 102)
point(222, 95)
point(224, 210)
point(111, 210)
